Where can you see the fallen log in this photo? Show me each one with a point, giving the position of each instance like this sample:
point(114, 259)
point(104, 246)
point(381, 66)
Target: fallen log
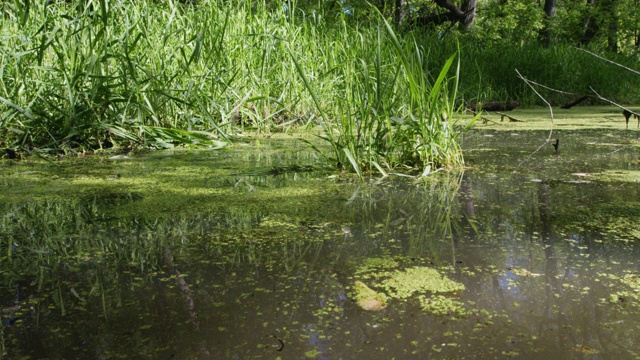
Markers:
point(574, 103)
point(495, 105)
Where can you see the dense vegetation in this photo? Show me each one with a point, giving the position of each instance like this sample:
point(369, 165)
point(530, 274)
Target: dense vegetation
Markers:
point(85, 75)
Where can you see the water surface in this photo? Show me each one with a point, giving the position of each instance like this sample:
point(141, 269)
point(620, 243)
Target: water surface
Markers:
point(253, 253)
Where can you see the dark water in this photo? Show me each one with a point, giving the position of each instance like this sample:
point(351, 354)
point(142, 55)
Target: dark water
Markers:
point(253, 254)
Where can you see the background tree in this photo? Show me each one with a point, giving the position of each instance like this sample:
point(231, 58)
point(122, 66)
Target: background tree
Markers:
point(469, 9)
point(550, 12)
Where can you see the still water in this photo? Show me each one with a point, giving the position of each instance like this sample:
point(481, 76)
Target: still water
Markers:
point(254, 253)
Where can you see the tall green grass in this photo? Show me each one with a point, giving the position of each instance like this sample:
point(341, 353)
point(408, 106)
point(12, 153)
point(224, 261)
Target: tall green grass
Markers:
point(396, 111)
point(488, 72)
point(90, 74)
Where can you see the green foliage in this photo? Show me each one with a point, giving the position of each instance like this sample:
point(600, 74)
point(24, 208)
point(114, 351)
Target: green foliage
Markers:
point(393, 110)
point(83, 75)
point(513, 22)
point(79, 75)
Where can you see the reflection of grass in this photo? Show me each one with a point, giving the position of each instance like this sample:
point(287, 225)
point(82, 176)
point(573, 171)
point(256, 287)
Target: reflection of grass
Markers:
point(421, 218)
point(86, 233)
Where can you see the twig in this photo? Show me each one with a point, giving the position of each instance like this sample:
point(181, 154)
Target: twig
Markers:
point(550, 111)
point(609, 61)
point(615, 151)
point(537, 93)
point(612, 103)
point(550, 88)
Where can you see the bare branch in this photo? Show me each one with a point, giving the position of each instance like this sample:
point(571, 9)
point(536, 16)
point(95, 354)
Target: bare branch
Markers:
point(609, 61)
point(552, 89)
point(550, 110)
point(612, 103)
point(537, 93)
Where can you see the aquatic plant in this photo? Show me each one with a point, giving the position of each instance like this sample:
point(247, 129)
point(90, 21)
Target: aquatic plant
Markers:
point(403, 284)
point(393, 114)
point(441, 305)
point(424, 283)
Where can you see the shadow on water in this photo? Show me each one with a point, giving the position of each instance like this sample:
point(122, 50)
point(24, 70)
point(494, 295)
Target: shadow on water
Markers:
point(255, 253)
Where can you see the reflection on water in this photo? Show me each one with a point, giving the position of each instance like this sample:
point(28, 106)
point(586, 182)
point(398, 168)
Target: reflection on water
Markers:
point(254, 254)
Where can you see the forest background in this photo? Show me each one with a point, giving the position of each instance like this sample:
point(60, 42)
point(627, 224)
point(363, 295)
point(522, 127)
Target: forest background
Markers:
point(86, 75)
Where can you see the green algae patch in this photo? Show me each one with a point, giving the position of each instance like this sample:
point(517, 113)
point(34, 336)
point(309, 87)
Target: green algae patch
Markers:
point(403, 284)
point(374, 268)
point(164, 183)
point(367, 298)
point(423, 283)
point(618, 220)
point(625, 289)
point(442, 306)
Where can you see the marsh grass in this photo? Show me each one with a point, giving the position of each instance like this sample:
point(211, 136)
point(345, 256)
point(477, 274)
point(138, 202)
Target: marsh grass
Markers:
point(95, 74)
point(488, 73)
point(396, 113)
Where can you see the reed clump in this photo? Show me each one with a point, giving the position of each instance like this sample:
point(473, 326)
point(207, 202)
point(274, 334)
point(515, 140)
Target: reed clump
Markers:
point(86, 75)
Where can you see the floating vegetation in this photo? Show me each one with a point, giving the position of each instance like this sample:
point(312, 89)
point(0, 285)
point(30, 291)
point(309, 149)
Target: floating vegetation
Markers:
point(126, 259)
point(372, 268)
point(523, 272)
point(405, 283)
point(632, 176)
point(367, 298)
point(442, 306)
point(626, 289)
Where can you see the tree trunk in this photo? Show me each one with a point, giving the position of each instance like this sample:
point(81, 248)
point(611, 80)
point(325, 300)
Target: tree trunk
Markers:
point(447, 4)
point(469, 9)
point(590, 28)
point(550, 12)
point(612, 26)
point(399, 12)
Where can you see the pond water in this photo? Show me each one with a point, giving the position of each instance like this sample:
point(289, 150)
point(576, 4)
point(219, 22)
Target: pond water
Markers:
point(255, 253)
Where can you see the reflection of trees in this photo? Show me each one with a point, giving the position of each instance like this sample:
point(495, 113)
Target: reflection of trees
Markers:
point(468, 209)
point(553, 308)
point(530, 230)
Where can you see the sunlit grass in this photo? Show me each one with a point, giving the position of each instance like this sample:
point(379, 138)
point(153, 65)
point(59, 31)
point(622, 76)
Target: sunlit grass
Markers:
point(94, 74)
point(90, 75)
